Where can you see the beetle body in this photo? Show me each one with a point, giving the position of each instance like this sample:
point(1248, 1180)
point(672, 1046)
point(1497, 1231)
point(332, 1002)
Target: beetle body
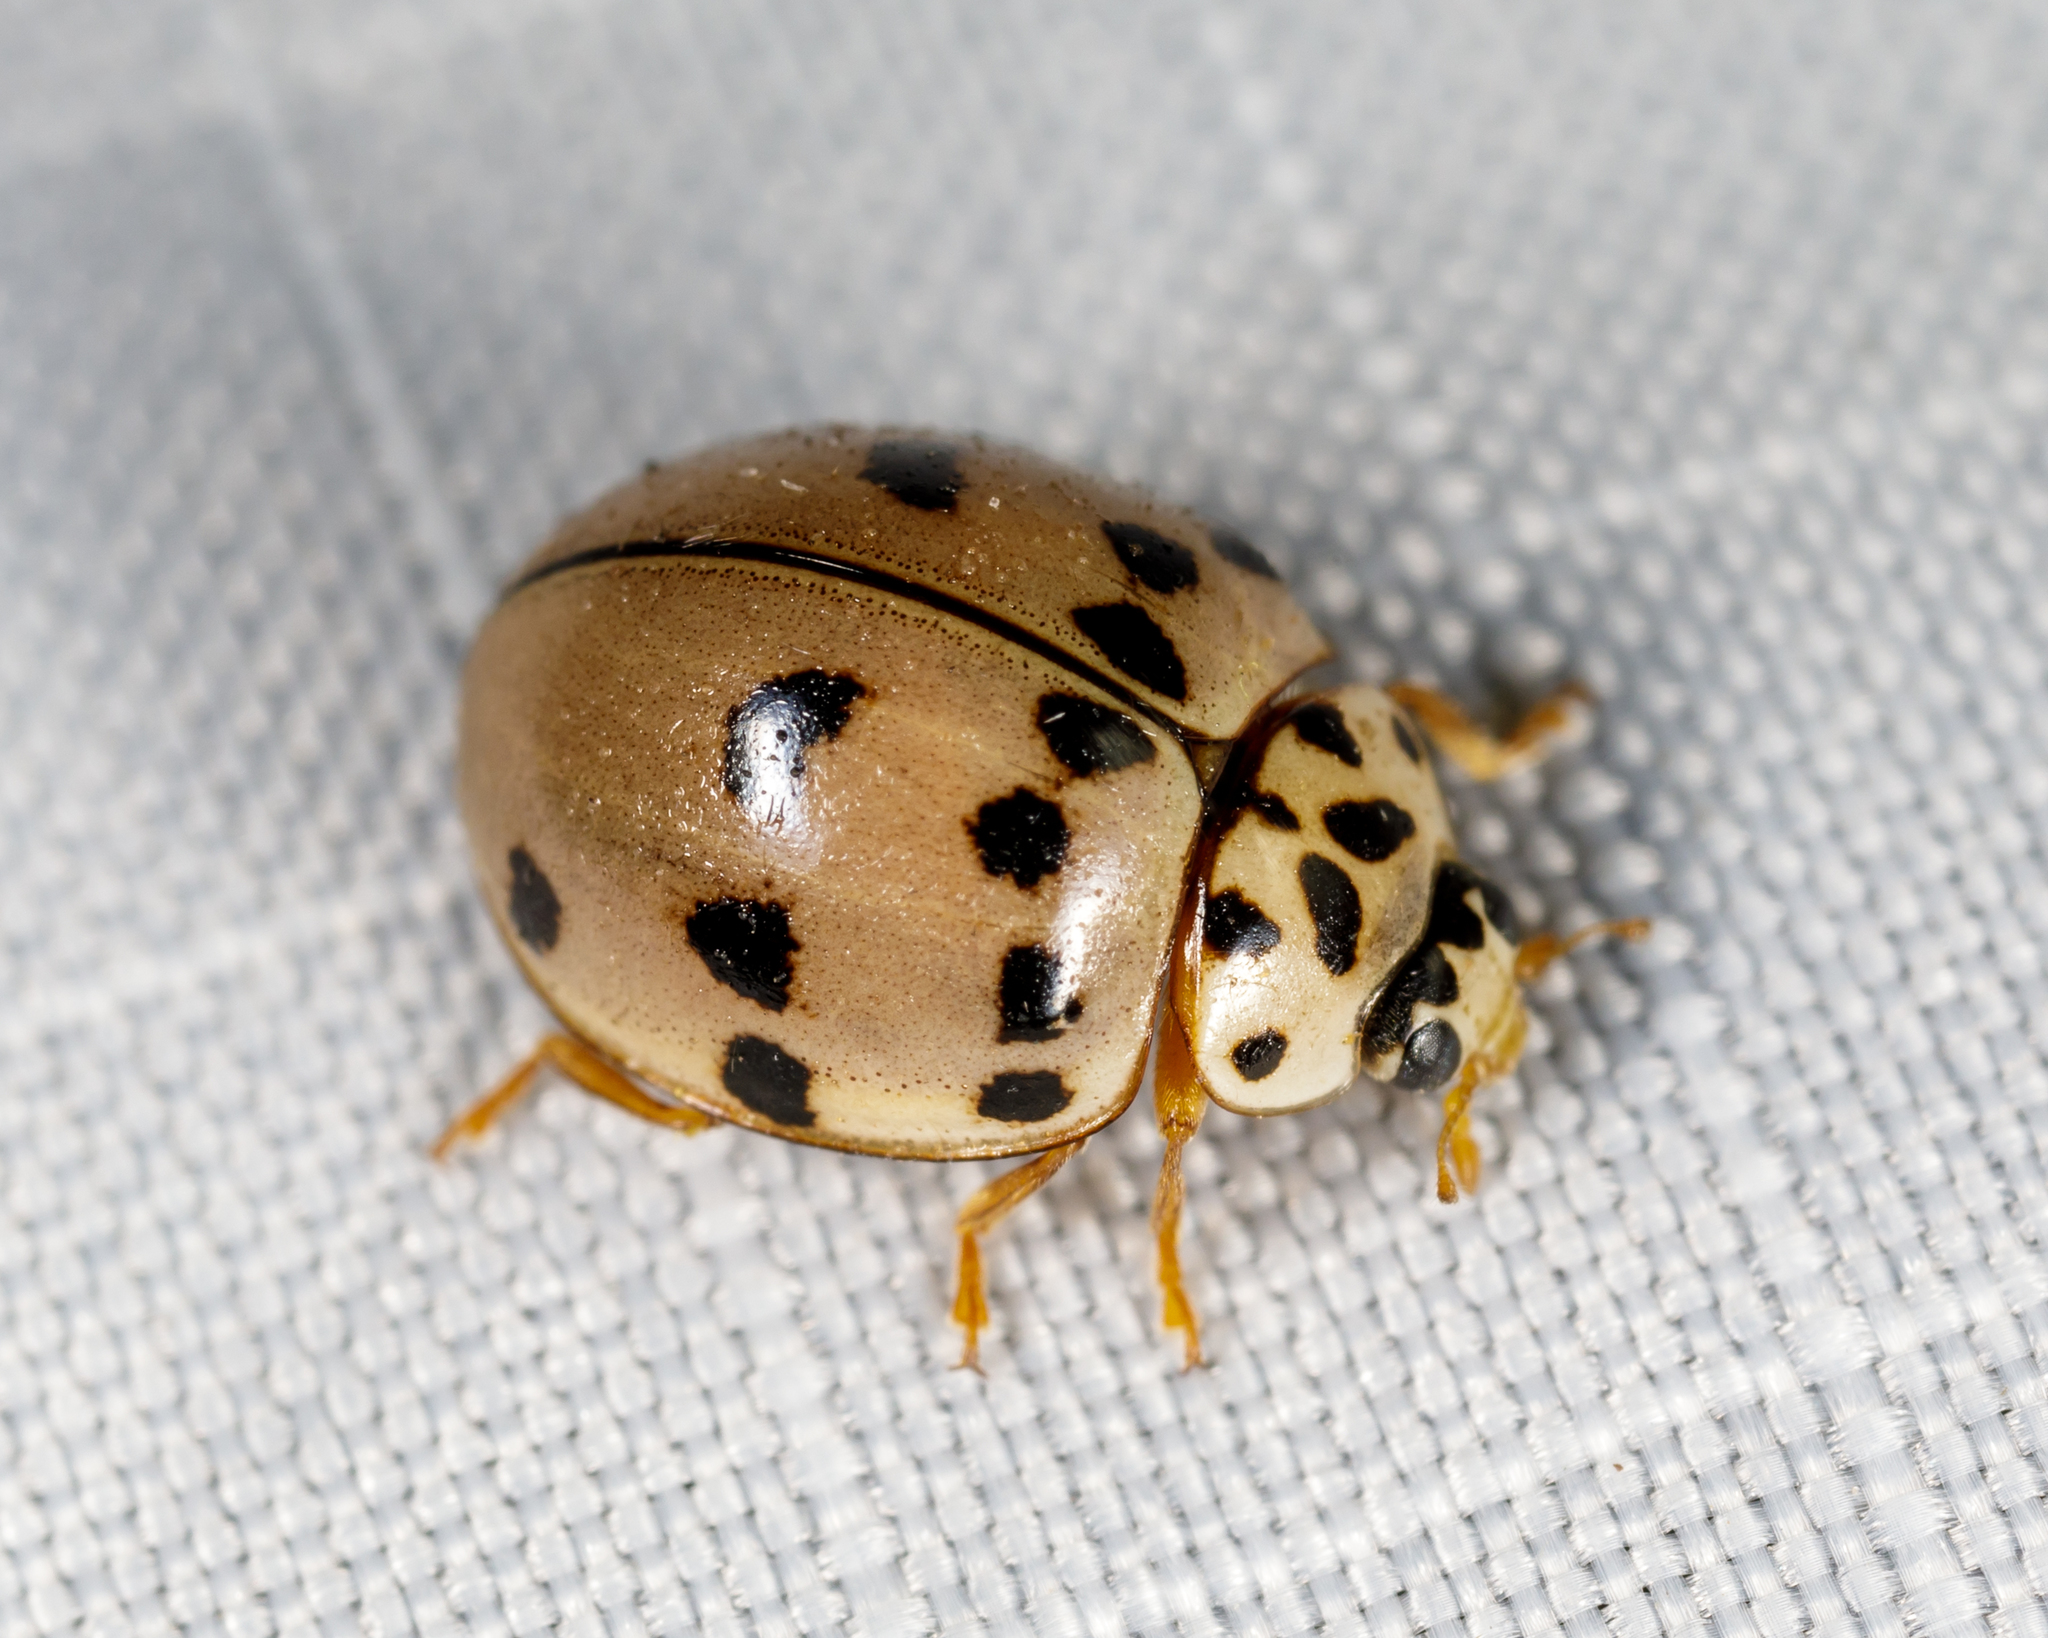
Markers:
point(861, 788)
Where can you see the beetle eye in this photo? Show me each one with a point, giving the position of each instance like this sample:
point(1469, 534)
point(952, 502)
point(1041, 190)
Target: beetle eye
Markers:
point(1430, 1058)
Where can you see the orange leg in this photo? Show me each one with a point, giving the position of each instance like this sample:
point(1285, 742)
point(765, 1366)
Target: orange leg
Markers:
point(985, 1208)
point(583, 1065)
point(1471, 747)
point(1539, 950)
point(1178, 1102)
point(1457, 1156)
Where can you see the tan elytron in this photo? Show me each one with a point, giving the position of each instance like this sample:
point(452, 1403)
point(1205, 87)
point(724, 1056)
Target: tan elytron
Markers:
point(1017, 536)
point(838, 909)
point(869, 788)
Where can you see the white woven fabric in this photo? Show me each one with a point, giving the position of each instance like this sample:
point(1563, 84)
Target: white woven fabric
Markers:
point(1699, 352)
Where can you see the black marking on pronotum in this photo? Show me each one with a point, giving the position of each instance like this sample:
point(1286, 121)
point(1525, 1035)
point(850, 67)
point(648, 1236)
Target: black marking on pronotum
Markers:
point(1234, 549)
point(767, 733)
point(536, 912)
point(1333, 906)
point(920, 474)
point(1406, 738)
point(746, 944)
point(1023, 1096)
point(1428, 978)
point(1033, 998)
point(1425, 979)
point(859, 574)
point(768, 1080)
point(1371, 831)
point(1134, 644)
point(1322, 725)
point(1233, 925)
point(1257, 1056)
point(1091, 738)
point(1163, 564)
point(1430, 1058)
point(1273, 810)
point(1453, 921)
point(1022, 836)
point(1500, 910)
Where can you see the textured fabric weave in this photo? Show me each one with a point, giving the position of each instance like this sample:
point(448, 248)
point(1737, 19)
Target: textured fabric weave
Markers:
point(1697, 352)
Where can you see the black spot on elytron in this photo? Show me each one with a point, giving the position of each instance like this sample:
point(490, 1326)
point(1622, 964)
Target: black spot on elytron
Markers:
point(746, 944)
point(1257, 1056)
point(1371, 831)
point(536, 912)
point(768, 1080)
point(919, 474)
point(1322, 725)
point(1431, 1057)
point(1154, 560)
point(1135, 645)
point(1234, 549)
point(1333, 906)
point(1035, 1094)
point(1425, 978)
point(1405, 736)
point(1031, 1000)
point(1233, 925)
point(1091, 738)
point(1022, 836)
point(767, 733)
point(1274, 811)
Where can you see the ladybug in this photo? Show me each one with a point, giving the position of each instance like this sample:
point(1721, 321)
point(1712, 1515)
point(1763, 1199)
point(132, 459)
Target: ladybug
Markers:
point(891, 790)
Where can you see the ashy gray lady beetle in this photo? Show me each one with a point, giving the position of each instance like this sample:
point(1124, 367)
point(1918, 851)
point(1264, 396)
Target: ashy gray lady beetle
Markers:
point(862, 788)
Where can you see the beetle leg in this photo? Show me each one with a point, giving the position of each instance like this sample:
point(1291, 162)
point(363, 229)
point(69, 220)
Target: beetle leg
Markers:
point(1457, 1156)
point(1539, 950)
point(595, 1074)
point(1471, 747)
point(985, 1208)
point(1178, 1101)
